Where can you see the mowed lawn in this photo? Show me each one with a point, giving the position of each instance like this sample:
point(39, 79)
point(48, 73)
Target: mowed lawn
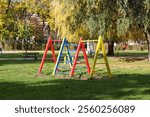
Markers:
point(131, 80)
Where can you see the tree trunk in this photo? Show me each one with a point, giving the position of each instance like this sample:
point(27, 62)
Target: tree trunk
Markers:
point(23, 44)
point(110, 48)
point(43, 29)
point(148, 43)
point(49, 29)
point(9, 44)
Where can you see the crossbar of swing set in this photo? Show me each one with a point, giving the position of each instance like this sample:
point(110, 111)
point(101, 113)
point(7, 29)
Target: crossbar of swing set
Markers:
point(75, 44)
point(89, 40)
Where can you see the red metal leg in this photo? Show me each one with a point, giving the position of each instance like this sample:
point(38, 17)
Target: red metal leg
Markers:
point(86, 59)
point(81, 44)
point(76, 58)
point(53, 52)
point(44, 56)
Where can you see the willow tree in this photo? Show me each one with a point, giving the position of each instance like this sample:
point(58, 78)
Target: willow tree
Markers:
point(89, 18)
point(138, 14)
point(103, 14)
point(67, 18)
point(112, 19)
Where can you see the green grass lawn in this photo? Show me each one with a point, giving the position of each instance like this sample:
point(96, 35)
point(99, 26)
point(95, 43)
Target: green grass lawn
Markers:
point(132, 53)
point(131, 80)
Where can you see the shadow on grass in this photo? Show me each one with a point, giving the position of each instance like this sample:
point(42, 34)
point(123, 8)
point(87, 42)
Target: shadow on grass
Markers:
point(123, 86)
point(16, 55)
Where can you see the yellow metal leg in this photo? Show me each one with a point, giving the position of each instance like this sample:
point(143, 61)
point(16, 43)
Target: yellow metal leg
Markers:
point(95, 58)
point(100, 45)
point(105, 59)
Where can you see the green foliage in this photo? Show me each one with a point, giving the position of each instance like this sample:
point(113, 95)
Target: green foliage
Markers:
point(75, 18)
point(122, 22)
point(16, 20)
point(138, 12)
point(8, 22)
point(89, 18)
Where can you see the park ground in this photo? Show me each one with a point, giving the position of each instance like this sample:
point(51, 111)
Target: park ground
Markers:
point(131, 80)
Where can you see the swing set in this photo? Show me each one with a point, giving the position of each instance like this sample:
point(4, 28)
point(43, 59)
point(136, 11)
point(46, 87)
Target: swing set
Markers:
point(65, 57)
